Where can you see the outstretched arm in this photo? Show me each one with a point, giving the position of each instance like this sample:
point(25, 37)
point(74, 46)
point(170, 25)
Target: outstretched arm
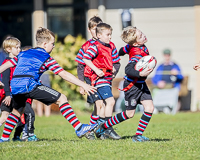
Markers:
point(72, 79)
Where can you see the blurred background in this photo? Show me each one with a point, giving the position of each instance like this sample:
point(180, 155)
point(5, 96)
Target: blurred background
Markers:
point(167, 24)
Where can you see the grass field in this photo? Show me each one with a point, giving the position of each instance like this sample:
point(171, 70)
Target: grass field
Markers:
point(172, 137)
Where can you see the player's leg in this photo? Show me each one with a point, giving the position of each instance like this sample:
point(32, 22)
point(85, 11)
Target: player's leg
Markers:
point(10, 124)
point(18, 103)
point(146, 101)
point(5, 111)
point(48, 96)
point(29, 114)
point(106, 94)
point(18, 130)
point(4, 116)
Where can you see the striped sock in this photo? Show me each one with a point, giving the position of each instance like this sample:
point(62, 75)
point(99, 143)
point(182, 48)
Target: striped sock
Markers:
point(101, 119)
point(144, 121)
point(69, 114)
point(118, 118)
point(93, 119)
point(10, 124)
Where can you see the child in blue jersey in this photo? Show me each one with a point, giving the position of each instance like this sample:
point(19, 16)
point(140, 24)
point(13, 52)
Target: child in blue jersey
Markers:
point(136, 90)
point(100, 59)
point(30, 65)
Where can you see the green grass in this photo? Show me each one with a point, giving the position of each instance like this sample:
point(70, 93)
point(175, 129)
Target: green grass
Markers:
point(172, 137)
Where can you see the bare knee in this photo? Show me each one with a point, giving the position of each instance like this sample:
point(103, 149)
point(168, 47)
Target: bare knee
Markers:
point(4, 116)
point(62, 99)
point(130, 113)
point(110, 102)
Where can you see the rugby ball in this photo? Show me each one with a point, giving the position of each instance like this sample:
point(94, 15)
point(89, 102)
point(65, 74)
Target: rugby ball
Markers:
point(146, 62)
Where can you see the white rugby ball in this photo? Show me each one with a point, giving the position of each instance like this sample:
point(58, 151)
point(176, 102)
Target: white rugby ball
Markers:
point(146, 62)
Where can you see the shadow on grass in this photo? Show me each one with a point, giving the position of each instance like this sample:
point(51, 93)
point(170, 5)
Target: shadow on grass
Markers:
point(54, 140)
point(160, 140)
point(156, 139)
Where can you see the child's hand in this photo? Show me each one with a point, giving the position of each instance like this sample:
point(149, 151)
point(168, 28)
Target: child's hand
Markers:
point(7, 101)
point(145, 72)
point(1, 85)
point(89, 88)
point(196, 66)
point(99, 73)
point(82, 91)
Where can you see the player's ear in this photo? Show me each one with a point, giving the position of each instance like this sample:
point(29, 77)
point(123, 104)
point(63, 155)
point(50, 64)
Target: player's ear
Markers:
point(44, 44)
point(135, 44)
point(8, 49)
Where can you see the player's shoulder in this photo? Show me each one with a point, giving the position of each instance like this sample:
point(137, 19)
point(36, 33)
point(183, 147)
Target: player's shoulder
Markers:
point(112, 44)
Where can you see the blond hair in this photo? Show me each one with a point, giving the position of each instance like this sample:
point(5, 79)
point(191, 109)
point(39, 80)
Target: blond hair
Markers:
point(129, 35)
point(101, 27)
point(43, 35)
point(94, 21)
point(10, 42)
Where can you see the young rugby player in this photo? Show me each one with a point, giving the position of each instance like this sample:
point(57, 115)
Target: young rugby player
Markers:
point(136, 90)
point(100, 59)
point(30, 65)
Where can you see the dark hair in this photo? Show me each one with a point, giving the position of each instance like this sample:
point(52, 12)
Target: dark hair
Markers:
point(94, 21)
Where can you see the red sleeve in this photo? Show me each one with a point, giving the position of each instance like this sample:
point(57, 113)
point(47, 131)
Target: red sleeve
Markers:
point(52, 65)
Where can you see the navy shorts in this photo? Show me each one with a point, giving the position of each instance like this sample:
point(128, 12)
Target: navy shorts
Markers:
point(137, 93)
point(10, 107)
point(103, 93)
point(92, 98)
point(41, 93)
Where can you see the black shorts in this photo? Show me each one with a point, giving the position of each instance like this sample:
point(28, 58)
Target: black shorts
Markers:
point(92, 97)
point(10, 107)
point(41, 93)
point(137, 93)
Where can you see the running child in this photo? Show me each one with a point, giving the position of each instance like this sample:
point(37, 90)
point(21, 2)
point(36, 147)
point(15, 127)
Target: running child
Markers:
point(136, 90)
point(100, 59)
point(30, 65)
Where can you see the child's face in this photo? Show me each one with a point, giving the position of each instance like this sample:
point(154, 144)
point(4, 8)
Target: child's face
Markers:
point(93, 32)
point(14, 51)
point(105, 36)
point(50, 45)
point(141, 38)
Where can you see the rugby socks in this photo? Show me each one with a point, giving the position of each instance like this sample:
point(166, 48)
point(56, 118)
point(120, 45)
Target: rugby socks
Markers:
point(101, 119)
point(69, 114)
point(10, 124)
point(118, 118)
point(144, 121)
point(93, 119)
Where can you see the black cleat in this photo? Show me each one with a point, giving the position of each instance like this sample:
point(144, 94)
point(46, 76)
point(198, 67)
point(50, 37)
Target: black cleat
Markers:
point(111, 134)
point(99, 130)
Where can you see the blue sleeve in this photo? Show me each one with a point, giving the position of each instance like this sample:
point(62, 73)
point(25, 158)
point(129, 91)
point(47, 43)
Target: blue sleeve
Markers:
point(158, 76)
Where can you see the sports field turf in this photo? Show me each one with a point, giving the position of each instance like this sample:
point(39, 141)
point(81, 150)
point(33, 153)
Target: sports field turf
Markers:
point(172, 137)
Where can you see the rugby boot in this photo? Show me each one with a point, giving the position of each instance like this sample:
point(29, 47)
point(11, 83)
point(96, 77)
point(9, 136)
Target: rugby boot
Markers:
point(85, 128)
point(139, 138)
point(111, 134)
point(99, 130)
